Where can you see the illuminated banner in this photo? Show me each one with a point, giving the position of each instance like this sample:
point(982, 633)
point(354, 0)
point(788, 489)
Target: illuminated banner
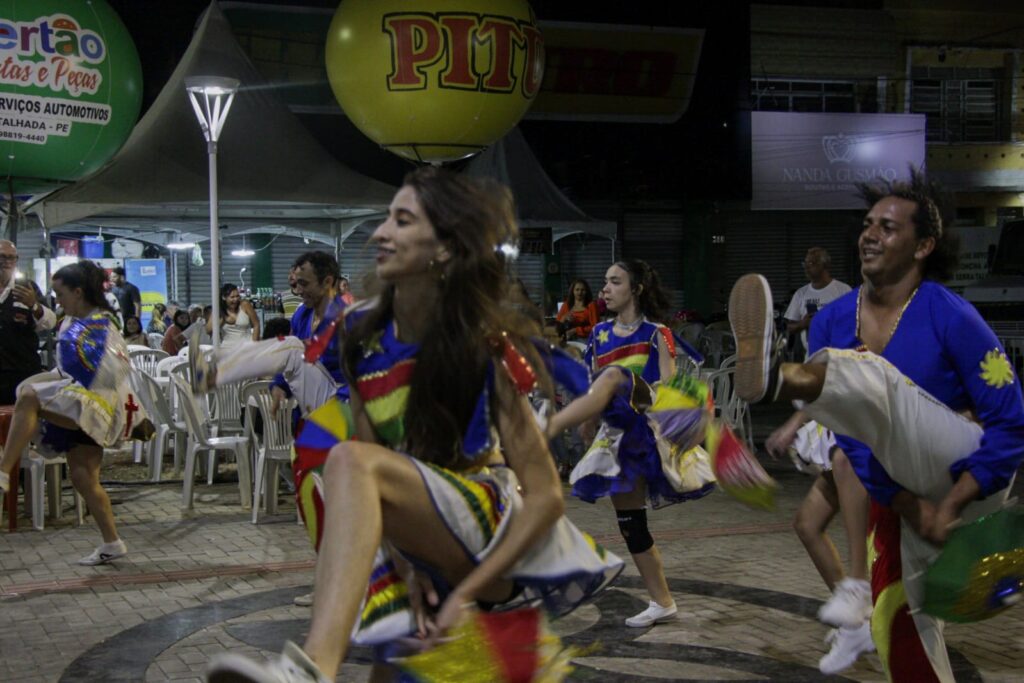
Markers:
point(813, 161)
point(70, 89)
point(592, 72)
point(150, 276)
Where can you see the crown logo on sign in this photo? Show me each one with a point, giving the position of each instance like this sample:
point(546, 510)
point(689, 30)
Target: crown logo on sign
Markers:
point(839, 147)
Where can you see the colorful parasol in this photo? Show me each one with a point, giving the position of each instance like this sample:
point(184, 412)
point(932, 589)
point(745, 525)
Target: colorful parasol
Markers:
point(737, 470)
point(980, 571)
point(517, 646)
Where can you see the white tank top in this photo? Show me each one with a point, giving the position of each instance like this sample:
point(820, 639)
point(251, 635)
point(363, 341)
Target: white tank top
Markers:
point(239, 332)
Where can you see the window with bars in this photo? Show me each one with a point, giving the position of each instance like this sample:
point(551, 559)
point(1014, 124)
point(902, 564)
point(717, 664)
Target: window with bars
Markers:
point(803, 95)
point(961, 105)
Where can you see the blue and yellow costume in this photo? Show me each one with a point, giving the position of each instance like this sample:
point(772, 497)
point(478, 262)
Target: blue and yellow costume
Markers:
point(627, 448)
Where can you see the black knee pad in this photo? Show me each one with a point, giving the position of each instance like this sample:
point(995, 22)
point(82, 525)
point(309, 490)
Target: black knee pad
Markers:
point(633, 526)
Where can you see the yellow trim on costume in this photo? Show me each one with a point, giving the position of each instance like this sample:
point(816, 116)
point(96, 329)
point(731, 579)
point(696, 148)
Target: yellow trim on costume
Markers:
point(306, 497)
point(388, 407)
point(92, 396)
point(392, 594)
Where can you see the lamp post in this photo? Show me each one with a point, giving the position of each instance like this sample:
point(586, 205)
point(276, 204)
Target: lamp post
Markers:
point(211, 98)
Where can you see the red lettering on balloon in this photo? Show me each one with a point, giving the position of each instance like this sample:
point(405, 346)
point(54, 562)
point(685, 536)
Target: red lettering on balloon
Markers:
point(415, 43)
point(502, 34)
point(459, 72)
point(533, 72)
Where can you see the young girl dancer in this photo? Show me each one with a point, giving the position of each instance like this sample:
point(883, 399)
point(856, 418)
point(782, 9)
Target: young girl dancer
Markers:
point(629, 354)
point(450, 473)
point(85, 405)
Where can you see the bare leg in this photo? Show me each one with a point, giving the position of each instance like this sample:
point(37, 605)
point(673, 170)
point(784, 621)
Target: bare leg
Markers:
point(371, 492)
point(801, 381)
point(84, 468)
point(589, 405)
point(648, 562)
point(853, 506)
point(812, 519)
point(24, 423)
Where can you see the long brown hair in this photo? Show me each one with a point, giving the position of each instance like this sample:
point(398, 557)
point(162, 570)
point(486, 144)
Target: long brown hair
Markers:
point(472, 218)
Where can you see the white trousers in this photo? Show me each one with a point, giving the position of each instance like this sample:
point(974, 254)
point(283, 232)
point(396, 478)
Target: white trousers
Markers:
point(916, 438)
point(310, 383)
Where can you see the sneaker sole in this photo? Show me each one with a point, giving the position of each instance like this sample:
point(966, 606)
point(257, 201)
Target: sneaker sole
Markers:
point(750, 305)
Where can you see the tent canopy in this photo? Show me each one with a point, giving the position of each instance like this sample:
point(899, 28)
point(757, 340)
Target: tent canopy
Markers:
point(272, 172)
point(539, 202)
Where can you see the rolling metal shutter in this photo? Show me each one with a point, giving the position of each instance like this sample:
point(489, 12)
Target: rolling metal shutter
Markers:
point(774, 243)
point(659, 239)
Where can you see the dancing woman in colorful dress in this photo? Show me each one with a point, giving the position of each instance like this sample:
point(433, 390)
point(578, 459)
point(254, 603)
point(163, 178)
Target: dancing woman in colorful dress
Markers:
point(86, 404)
point(629, 354)
point(450, 473)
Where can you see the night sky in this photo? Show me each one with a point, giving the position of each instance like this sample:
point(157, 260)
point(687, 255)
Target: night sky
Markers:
point(704, 156)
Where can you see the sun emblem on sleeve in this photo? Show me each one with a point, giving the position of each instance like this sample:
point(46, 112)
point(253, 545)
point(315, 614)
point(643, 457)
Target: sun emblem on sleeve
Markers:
point(996, 370)
point(602, 337)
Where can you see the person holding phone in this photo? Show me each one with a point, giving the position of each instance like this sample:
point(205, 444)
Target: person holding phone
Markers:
point(22, 317)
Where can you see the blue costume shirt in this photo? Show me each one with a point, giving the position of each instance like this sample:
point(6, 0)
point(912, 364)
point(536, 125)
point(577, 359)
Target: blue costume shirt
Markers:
point(944, 347)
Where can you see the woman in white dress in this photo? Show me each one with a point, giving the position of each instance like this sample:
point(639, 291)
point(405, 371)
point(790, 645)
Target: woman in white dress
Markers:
point(237, 318)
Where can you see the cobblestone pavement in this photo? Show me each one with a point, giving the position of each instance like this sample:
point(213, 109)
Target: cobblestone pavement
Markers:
point(197, 583)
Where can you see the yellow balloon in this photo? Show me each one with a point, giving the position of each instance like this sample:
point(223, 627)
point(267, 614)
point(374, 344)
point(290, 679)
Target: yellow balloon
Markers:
point(434, 80)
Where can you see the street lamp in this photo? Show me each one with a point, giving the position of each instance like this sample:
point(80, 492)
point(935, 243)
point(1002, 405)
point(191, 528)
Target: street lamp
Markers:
point(211, 98)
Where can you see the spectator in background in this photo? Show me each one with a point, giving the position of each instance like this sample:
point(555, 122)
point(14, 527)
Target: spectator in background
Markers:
point(133, 334)
point(128, 296)
point(810, 298)
point(291, 301)
point(172, 308)
point(345, 292)
point(156, 322)
point(237, 316)
point(22, 315)
point(195, 312)
point(578, 314)
point(174, 337)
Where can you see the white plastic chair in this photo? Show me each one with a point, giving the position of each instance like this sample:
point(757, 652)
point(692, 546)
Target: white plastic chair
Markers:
point(153, 400)
point(273, 449)
point(200, 441)
point(145, 360)
point(43, 486)
point(227, 410)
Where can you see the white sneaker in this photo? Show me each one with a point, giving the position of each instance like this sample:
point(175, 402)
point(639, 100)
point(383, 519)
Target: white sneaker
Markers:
point(654, 614)
point(105, 553)
point(303, 600)
point(847, 645)
point(849, 606)
point(294, 666)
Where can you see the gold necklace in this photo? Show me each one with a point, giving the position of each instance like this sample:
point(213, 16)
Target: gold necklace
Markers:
point(860, 295)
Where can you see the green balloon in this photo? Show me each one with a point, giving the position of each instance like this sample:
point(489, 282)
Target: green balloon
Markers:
point(70, 90)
